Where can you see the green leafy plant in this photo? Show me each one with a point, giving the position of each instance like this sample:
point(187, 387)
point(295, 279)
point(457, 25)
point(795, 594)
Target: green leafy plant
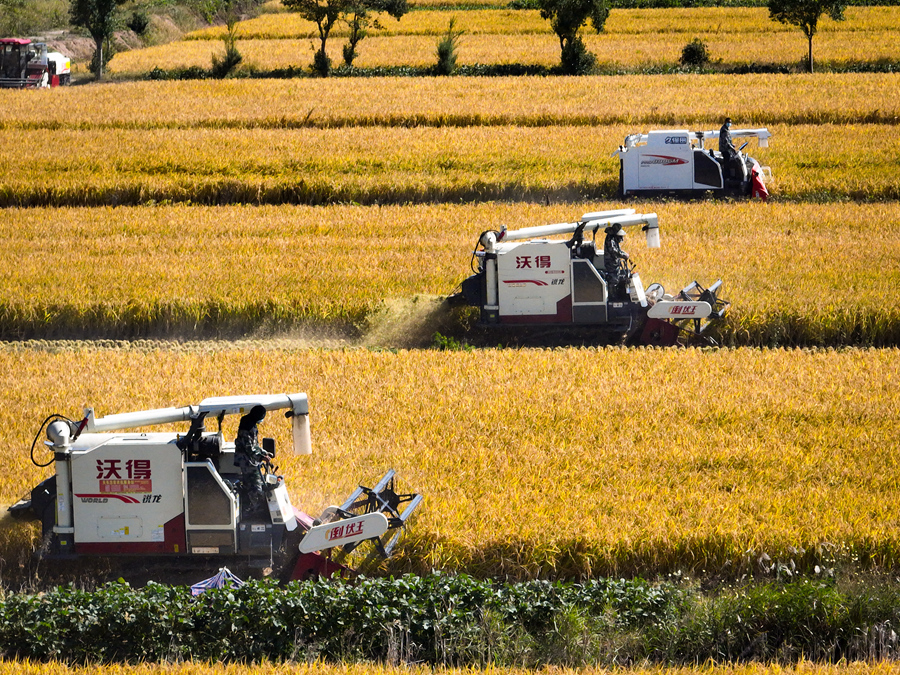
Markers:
point(138, 22)
point(695, 54)
point(447, 48)
point(224, 65)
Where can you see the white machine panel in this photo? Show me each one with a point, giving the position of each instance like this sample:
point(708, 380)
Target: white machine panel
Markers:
point(532, 278)
point(126, 488)
point(341, 532)
point(680, 310)
point(666, 162)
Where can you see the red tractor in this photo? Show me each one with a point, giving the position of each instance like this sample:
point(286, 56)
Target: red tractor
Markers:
point(28, 65)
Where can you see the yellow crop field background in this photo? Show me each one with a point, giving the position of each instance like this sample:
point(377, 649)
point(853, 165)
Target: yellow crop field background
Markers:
point(688, 21)
point(613, 51)
point(321, 221)
point(794, 272)
point(631, 39)
point(536, 463)
point(637, 100)
point(384, 165)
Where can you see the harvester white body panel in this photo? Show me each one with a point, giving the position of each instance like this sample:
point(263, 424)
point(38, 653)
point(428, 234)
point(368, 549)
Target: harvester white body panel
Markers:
point(127, 493)
point(534, 281)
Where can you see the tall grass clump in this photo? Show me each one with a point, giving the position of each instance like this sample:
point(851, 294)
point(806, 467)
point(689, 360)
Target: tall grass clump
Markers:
point(223, 65)
point(447, 49)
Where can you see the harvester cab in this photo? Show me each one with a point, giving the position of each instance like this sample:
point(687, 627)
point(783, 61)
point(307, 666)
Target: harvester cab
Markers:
point(29, 65)
point(528, 284)
point(678, 161)
point(195, 497)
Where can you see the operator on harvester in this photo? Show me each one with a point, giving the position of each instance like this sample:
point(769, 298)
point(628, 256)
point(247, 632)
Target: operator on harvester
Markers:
point(615, 262)
point(250, 457)
point(730, 154)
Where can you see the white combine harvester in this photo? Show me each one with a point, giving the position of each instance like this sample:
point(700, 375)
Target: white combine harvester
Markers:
point(28, 65)
point(531, 285)
point(195, 500)
point(678, 161)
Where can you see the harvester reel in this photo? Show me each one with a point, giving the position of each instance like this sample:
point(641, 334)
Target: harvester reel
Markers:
point(383, 498)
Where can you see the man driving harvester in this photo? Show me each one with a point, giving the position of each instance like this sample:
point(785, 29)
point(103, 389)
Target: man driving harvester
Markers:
point(729, 152)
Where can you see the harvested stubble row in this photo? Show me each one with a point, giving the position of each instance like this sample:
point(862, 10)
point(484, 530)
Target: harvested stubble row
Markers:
point(688, 22)
point(804, 668)
point(614, 52)
point(397, 165)
point(796, 273)
point(545, 462)
point(467, 101)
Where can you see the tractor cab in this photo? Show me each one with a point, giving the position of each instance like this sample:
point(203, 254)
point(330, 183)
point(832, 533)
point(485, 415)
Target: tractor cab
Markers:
point(14, 56)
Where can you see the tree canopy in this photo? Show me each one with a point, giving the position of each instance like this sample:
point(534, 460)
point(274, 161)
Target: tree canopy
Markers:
point(567, 17)
point(98, 17)
point(325, 13)
point(805, 15)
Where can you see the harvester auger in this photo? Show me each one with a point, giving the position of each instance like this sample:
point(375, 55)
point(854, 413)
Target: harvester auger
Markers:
point(196, 498)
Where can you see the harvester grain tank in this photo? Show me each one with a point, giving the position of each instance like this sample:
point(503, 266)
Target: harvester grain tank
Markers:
point(527, 283)
point(678, 161)
point(189, 497)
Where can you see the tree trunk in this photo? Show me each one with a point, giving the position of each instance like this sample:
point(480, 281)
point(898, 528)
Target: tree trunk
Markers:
point(99, 53)
point(810, 61)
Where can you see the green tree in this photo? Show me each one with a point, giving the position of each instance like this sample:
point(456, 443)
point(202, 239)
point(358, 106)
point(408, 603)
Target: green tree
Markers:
point(805, 15)
point(566, 18)
point(325, 13)
point(98, 17)
point(11, 12)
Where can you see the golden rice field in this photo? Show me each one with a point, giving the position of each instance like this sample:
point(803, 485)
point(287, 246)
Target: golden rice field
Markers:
point(803, 668)
point(397, 164)
point(795, 273)
point(631, 39)
point(645, 22)
point(568, 462)
point(613, 51)
point(636, 100)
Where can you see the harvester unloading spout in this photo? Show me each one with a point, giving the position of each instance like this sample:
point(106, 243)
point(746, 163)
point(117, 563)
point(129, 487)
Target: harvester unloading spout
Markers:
point(195, 496)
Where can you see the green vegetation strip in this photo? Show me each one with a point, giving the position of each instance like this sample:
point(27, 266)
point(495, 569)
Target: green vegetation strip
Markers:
point(456, 620)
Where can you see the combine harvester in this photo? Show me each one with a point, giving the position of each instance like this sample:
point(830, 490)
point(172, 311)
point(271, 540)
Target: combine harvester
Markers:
point(194, 500)
point(677, 162)
point(534, 287)
point(28, 65)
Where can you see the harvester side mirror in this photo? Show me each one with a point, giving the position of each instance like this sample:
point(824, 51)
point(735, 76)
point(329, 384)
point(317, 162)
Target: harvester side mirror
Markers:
point(268, 445)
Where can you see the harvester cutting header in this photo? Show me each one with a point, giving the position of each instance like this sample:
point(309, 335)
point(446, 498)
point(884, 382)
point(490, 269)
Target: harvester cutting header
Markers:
point(194, 496)
point(526, 282)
